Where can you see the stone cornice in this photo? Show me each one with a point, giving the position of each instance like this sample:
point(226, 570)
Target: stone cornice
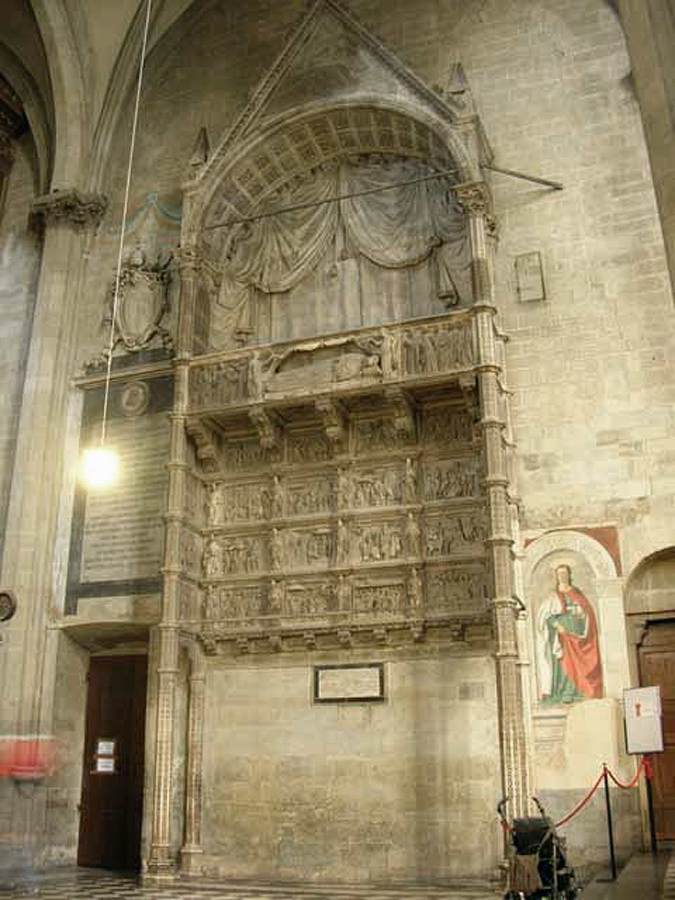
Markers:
point(70, 207)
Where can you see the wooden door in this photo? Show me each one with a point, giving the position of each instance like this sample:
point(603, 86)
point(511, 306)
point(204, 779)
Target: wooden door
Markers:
point(112, 779)
point(657, 667)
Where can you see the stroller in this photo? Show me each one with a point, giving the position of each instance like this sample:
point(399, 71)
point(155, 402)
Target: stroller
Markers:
point(537, 868)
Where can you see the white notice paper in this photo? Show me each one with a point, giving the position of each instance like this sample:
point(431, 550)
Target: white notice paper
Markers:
point(642, 711)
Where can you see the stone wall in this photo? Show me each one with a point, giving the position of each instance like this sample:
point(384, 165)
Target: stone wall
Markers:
point(352, 791)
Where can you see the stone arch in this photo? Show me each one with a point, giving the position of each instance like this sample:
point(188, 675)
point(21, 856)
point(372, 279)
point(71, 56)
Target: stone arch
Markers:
point(36, 112)
point(70, 107)
point(650, 588)
point(314, 134)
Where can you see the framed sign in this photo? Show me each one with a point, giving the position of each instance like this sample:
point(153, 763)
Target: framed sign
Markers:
point(642, 716)
point(349, 683)
point(105, 765)
point(105, 756)
point(105, 747)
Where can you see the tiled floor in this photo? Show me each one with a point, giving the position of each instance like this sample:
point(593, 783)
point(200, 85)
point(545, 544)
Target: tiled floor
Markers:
point(641, 879)
point(98, 885)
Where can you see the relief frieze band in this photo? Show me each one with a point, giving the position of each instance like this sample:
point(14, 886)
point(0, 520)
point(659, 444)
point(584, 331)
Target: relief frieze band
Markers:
point(387, 355)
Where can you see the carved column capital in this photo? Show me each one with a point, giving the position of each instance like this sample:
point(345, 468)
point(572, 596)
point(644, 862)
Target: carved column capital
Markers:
point(474, 197)
point(69, 207)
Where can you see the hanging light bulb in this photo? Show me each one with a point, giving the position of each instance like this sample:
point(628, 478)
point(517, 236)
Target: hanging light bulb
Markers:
point(100, 465)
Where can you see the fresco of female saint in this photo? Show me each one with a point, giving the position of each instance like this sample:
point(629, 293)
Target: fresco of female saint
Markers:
point(567, 644)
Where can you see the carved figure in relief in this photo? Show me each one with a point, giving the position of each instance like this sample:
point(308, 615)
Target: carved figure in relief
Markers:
point(318, 547)
point(308, 448)
point(276, 595)
point(379, 598)
point(456, 590)
point(410, 482)
point(412, 536)
point(277, 497)
point(277, 549)
point(449, 480)
point(344, 493)
point(390, 353)
point(216, 504)
point(212, 560)
point(255, 382)
point(343, 593)
point(343, 542)
point(446, 426)
point(415, 588)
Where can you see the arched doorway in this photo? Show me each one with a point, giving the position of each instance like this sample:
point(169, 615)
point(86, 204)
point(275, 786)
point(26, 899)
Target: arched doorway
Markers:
point(650, 609)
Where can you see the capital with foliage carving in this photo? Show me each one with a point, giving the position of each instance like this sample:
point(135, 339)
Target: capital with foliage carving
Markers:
point(474, 197)
point(69, 207)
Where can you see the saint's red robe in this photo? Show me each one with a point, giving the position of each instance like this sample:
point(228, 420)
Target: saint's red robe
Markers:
point(581, 655)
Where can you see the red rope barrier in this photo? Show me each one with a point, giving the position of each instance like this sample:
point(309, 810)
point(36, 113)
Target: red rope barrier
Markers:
point(580, 805)
point(645, 766)
point(633, 781)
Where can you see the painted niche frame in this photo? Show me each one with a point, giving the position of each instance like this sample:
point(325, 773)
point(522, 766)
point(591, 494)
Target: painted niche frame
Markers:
point(597, 579)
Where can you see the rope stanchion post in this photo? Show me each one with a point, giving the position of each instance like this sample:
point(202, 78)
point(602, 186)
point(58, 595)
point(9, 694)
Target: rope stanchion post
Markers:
point(610, 829)
point(649, 774)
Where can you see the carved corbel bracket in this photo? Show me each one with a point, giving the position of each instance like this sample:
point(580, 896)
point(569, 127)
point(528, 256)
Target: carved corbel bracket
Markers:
point(345, 638)
point(381, 636)
point(243, 645)
point(208, 642)
point(275, 642)
point(469, 388)
point(309, 639)
point(206, 447)
point(267, 426)
point(474, 197)
point(404, 412)
point(333, 419)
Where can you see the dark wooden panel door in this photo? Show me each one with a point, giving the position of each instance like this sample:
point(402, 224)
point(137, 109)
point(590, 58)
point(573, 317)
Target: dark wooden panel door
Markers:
point(112, 797)
point(657, 667)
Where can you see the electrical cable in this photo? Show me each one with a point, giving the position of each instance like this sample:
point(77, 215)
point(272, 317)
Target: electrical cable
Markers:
point(125, 210)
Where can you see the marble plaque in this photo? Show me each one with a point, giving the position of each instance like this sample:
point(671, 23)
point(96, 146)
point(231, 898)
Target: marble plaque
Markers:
point(349, 683)
point(123, 530)
point(530, 277)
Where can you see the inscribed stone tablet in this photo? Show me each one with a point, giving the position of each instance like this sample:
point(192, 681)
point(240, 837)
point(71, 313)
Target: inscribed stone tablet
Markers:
point(335, 684)
point(530, 277)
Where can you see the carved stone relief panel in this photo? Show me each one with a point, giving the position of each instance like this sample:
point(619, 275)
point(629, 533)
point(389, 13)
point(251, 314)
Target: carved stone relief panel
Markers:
point(219, 384)
point(233, 555)
point(310, 598)
point(240, 602)
point(190, 552)
point(378, 486)
point(378, 542)
point(456, 590)
point(307, 447)
point(245, 502)
point(443, 348)
point(444, 426)
point(311, 496)
point(246, 454)
point(382, 598)
point(302, 548)
point(376, 435)
point(455, 534)
point(194, 499)
point(451, 479)
point(190, 601)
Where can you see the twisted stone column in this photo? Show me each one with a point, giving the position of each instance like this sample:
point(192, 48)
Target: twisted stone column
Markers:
point(474, 198)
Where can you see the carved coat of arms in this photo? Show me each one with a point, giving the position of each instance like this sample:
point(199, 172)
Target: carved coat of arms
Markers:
point(143, 301)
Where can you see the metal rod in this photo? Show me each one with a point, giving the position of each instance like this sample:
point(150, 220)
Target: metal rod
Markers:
point(311, 203)
point(610, 830)
point(650, 810)
point(556, 185)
